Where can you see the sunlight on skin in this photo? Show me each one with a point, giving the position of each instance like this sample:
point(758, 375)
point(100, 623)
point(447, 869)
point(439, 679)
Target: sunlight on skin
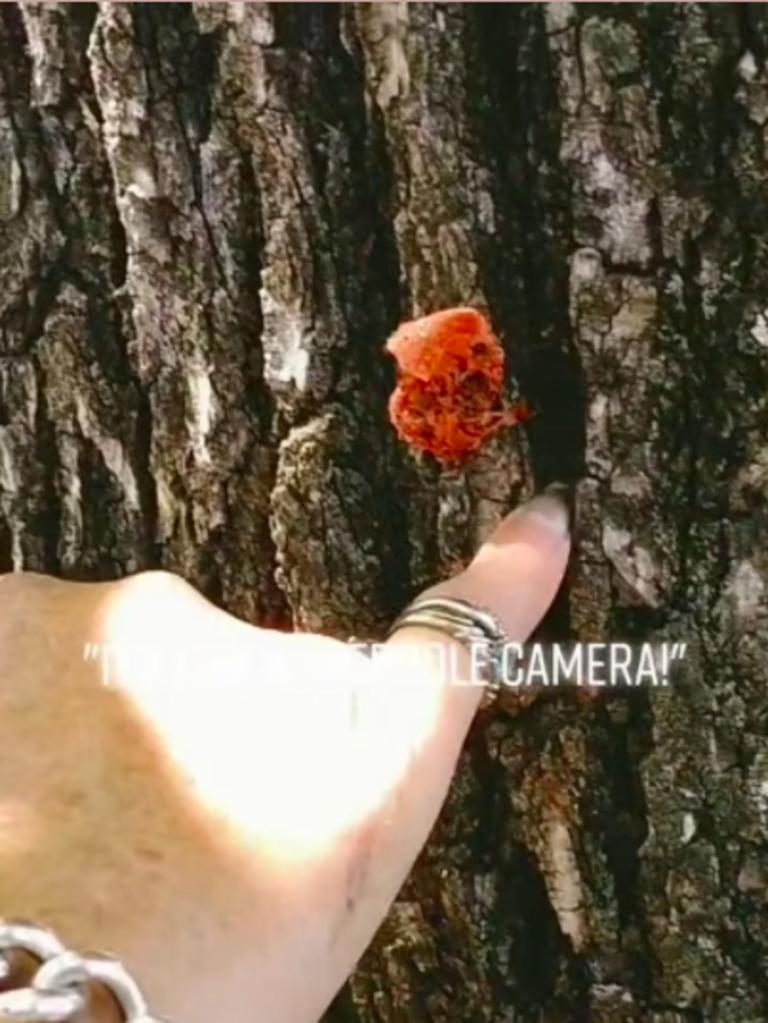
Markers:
point(295, 739)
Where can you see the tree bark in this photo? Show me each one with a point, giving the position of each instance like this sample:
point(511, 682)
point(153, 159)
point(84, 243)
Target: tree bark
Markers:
point(212, 216)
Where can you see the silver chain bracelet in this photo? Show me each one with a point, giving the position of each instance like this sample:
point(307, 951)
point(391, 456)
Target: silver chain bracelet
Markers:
point(57, 992)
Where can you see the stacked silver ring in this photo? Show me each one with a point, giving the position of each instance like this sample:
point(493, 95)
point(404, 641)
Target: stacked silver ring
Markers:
point(465, 622)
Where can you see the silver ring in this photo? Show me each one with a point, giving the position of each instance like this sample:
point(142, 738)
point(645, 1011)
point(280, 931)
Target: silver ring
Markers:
point(468, 623)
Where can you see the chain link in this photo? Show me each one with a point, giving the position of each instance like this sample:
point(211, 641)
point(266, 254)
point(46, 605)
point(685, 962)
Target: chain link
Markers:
point(58, 990)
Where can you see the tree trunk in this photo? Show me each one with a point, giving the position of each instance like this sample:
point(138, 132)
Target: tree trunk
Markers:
point(212, 216)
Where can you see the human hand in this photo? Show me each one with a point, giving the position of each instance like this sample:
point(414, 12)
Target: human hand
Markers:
point(233, 814)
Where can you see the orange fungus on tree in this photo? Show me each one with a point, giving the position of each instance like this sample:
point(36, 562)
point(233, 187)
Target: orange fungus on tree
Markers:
point(449, 387)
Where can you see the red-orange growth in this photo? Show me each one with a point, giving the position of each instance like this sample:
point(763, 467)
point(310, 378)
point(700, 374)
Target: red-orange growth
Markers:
point(450, 380)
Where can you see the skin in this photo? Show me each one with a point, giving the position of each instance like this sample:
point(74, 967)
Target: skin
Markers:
point(231, 811)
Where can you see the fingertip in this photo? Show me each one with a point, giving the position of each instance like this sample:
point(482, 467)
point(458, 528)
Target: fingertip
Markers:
point(518, 570)
point(549, 510)
point(542, 525)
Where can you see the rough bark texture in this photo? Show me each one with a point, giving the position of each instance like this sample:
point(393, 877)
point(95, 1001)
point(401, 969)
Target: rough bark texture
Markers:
point(211, 216)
